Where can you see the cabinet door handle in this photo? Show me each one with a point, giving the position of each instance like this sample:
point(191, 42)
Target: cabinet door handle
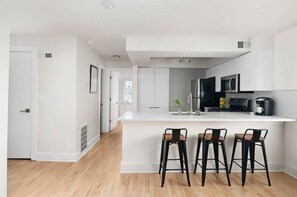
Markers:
point(25, 111)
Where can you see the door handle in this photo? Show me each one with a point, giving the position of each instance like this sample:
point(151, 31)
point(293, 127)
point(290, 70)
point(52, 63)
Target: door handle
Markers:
point(25, 111)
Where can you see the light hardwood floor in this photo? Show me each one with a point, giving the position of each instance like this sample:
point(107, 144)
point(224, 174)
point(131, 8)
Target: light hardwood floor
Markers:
point(98, 174)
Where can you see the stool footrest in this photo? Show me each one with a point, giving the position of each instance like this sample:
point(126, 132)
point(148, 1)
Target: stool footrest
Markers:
point(237, 159)
point(213, 160)
point(172, 169)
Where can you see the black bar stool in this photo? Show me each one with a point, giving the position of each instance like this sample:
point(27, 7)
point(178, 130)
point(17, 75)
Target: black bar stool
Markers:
point(249, 142)
point(179, 137)
point(216, 139)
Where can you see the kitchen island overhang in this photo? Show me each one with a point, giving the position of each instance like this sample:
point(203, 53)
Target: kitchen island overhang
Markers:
point(142, 135)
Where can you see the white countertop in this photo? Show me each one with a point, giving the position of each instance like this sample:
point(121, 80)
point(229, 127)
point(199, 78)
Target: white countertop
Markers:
point(208, 116)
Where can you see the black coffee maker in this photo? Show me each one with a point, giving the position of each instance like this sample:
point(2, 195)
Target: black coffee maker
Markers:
point(264, 106)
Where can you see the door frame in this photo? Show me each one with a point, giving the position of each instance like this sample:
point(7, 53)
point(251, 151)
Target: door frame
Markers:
point(33, 110)
point(106, 95)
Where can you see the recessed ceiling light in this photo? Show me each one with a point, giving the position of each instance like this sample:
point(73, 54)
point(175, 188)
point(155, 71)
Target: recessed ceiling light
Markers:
point(107, 4)
point(116, 56)
point(184, 60)
point(90, 42)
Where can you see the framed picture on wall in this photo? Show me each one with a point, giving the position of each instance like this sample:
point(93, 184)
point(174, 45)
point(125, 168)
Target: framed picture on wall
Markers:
point(93, 79)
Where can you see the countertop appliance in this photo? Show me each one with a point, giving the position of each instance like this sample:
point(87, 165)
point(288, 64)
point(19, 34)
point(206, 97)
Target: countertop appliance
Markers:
point(235, 105)
point(264, 106)
point(203, 94)
point(230, 83)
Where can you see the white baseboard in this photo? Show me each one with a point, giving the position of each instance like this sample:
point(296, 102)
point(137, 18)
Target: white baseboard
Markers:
point(291, 170)
point(89, 147)
point(154, 167)
point(65, 157)
point(57, 157)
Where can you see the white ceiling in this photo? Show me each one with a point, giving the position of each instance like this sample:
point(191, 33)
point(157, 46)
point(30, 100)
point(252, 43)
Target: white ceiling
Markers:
point(108, 29)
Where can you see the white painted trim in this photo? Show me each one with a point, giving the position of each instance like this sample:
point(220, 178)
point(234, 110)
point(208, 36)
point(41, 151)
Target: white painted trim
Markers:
point(66, 157)
point(56, 157)
point(33, 51)
point(134, 88)
point(89, 147)
point(291, 170)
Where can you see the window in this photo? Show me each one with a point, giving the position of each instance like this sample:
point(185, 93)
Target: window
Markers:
point(127, 93)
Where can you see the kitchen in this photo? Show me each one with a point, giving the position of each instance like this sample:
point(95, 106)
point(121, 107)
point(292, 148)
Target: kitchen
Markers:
point(237, 94)
point(194, 76)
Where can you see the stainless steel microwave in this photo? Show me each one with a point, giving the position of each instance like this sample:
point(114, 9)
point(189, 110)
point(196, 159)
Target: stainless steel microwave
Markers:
point(230, 83)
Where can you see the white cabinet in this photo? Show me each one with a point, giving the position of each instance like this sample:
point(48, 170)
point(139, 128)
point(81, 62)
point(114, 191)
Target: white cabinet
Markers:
point(255, 69)
point(153, 89)
point(146, 78)
point(286, 60)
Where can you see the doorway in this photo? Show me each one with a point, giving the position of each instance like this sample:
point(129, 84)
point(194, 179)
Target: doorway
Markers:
point(120, 95)
point(114, 99)
point(22, 103)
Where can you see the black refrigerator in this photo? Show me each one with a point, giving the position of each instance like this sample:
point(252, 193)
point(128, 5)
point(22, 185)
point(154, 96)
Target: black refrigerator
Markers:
point(204, 94)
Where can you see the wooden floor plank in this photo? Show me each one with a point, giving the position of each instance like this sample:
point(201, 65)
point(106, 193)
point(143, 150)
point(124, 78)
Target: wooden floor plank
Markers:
point(98, 174)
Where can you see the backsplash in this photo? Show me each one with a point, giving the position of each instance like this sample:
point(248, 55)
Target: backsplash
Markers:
point(285, 102)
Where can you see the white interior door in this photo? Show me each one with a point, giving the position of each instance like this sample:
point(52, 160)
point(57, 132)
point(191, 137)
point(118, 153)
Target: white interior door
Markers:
point(114, 99)
point(20, 91)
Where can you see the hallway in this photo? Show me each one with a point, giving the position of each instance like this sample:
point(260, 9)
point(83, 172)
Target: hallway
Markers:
point(98, 174)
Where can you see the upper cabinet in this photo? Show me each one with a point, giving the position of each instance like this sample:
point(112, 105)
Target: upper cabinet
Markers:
point(153, 89)
point(286, 60)
point(255, 68)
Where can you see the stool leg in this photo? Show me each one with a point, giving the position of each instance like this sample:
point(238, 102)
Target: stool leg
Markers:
point(197, 155)
point(204, 160)
point(265, 160)
point(181, 157)
point(252, 156)
point(233, 153)
point(245, 146)
point(186, 161)
point(166, 150)
point(161, 156)
point(225, 161)
point(216, 154)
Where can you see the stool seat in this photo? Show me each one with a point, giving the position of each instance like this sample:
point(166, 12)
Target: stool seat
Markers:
point(208, 137)
point(247, 137)
point(168, 136)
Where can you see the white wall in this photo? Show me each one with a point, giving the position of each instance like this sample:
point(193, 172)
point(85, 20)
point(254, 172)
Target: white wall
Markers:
point(286, 60)
point(56, 90)
point(4, 79)
point(174, 63)
point(87, 105)
point(64, 102)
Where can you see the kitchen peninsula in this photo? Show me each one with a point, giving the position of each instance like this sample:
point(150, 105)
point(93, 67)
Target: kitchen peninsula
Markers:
point(142, 132)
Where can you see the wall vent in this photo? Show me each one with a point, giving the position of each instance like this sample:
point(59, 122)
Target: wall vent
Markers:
point(48, 55)
point(83, 138)
point(243, 44)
